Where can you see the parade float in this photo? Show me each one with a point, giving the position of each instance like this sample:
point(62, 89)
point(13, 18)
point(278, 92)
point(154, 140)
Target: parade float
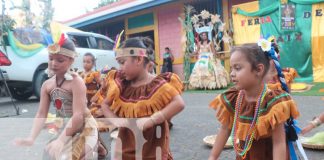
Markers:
point(194, 25)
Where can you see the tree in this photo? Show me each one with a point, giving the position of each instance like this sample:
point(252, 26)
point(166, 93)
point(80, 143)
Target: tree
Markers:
point(25, 7)
point(105, 2)
point(32, 21)
point(7, 24)
point(47, 13)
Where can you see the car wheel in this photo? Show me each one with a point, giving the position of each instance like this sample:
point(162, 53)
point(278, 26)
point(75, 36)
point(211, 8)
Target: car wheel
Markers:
point(21, 93)
point(41, 77)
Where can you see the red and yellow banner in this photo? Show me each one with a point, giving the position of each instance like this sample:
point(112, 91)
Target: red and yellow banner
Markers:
point(318, 41)
point(246, 29)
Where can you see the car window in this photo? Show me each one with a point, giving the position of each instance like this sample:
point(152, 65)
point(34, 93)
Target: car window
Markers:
point(104, 44)
point(29, 36)
point(80, 41)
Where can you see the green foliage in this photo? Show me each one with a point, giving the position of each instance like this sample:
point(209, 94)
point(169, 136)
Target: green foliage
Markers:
point(30, 19)
point(186, 24)
point(105, 2)
point(47, 13)
point(25, 7)
point(7, 24)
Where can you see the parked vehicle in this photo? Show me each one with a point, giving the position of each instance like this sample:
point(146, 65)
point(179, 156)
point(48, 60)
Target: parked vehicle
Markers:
point(27, 74)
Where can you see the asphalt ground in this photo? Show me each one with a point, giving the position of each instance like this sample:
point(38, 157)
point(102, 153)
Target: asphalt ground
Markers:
point(190, 127)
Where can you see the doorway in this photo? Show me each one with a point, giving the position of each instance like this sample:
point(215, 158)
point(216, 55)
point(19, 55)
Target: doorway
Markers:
point(149, 34)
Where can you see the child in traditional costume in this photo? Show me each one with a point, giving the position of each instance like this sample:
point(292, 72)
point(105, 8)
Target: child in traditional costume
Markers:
point(250, 112)
point(67, 92)
point(273, 77)
point(95, 109)
point(152, 100)
point(317, 140)
point(167, 60)
point(314, 123)
point(208, 72)
point(289, 74)
point(98, 98)
point(91, 78)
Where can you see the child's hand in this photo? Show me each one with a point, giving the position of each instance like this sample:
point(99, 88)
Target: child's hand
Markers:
point(145, 123)
point(118, 122)
point(197, 39)
point(24, 142)
point(306, 129)
point(55, 148)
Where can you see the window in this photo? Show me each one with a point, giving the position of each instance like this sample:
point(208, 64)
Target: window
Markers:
point(80, 41)
point(104, 44)
point(29, 36)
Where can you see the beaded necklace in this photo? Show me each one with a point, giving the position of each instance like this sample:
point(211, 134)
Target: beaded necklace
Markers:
point(251, 132)
point(58, 102)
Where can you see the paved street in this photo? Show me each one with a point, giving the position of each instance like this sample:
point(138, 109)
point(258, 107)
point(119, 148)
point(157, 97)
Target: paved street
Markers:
point(190, 127)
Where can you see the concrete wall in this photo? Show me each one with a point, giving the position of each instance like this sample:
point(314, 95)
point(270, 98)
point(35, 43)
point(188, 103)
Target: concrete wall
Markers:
point(170, 32)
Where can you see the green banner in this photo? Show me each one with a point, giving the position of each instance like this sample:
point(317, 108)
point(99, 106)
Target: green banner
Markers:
point(261, 12)
point(20, 52)
point(306, 1)
point(141, 21)
point(295, 46)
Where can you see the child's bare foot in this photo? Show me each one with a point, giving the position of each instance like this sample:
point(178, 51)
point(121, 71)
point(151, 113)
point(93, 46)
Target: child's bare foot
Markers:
point(102, 151)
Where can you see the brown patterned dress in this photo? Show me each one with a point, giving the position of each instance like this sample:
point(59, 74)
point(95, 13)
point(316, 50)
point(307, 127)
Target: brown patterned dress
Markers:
point(143, 101)
point(88, 134)
point(276, 108)
point(289, 73)
point(92, 83)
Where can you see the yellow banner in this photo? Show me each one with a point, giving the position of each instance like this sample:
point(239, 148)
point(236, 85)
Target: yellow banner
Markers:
point(57, 29)
point(318, 41)
point(26, 47)
point(246, 29)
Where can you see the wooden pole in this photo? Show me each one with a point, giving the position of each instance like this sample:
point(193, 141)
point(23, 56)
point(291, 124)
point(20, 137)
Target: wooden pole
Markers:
point(226, 20)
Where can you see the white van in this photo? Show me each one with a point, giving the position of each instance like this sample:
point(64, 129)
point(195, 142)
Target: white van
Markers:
point(26, 75)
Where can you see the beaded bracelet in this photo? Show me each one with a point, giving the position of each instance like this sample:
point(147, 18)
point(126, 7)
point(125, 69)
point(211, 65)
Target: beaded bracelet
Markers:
point(316, 122)
point(158, 116)
point(154, 123)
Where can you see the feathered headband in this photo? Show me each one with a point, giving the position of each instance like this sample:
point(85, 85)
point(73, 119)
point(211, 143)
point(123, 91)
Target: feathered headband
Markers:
point(127, 52)
point(57, 48)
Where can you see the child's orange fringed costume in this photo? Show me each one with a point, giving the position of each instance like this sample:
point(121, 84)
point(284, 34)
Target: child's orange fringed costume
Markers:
point(276, 108)
point(100, 95)
point(92, 81)
point(96, 101)
point(289, 73)
point(143, 101)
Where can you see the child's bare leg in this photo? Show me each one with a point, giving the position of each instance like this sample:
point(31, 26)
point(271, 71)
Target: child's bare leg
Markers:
point(102, 150)
point(88, 153)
